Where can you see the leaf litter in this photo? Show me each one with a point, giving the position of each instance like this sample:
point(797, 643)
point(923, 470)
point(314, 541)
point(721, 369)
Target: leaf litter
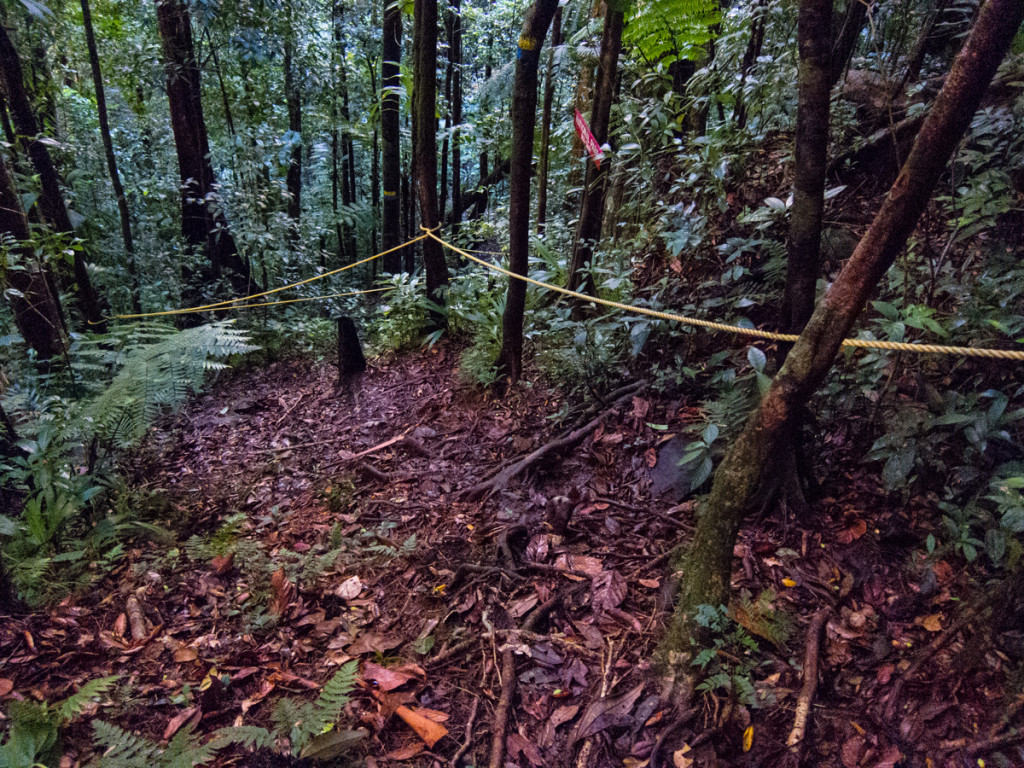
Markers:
point(354, 541)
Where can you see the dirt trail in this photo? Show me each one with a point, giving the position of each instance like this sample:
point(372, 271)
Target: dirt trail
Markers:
point(351, 540)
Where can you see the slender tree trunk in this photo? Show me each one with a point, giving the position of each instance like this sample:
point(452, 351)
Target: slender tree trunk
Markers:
point(749, 461)
point(108, 150)
point(391, 226)
point(456, 60)
point(294, 100)
point(442, 201)
point(811, 147)
point(543, 164)
point(750, 56)
point(845, 38)
point(916, 60)
point(524, 120)
point(36, 308)
point(225, 100)
point(51, 199)
point(203, 223)
point(425, 160)
point(589, 229)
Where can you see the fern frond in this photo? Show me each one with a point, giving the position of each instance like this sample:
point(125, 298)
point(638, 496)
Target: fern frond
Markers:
point(187, 750)
point(248, 736)
point(669, 30)
point(123, 749)
point(74, 704)
point(335, 694)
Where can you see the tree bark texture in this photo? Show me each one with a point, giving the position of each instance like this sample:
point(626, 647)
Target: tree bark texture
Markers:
point(51, 199)
point(750, 56)
point(203, 223)
point(391, 224)
point(588, 231)
point(36, 307)
point(743, 471)
point(424, 113)
point(814, 88)
point(544, 164)
point(456, 59)
point(293, 98)
point(524, 120)
point(108, 150)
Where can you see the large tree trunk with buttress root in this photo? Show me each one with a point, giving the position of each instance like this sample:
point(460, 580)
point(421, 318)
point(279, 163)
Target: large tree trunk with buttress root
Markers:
point(51, 199)
point(424, 111)
point(524, 120)
point(108, 151)
point(588, 230)
point(707, 565)
point(391, 81)
point(36, 308)
point(803, 261)
point(203, 224)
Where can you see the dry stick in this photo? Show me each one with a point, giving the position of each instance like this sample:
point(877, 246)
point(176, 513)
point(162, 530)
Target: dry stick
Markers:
point(454, 762)
point(446, 654)
point(508, 676)
point(290, 409)
point(502, 478)
point(803, 703)
point(136, 620)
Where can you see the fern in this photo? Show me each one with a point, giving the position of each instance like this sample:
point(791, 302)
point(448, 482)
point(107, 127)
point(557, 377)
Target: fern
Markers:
point(159, 375)
point(123, 749)
point(669, 30)
point(335, 694)
point(74, 704)
point(248, 736)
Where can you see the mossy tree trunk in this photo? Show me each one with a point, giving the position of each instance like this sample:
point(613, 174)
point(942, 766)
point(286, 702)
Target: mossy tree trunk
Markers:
point(707, 566)
point(524, 120)
point(544, 163)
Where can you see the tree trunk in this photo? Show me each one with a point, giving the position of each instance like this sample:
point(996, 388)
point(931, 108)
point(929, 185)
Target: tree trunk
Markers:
point(845, 38)
point(293, 97)
point(588, 231)
point(442, 201)
point(108, 150)
point(543, 164)
point(456, 59)
point(203, 223)
point(524, 120)
point(391, 225)
point(51, 200)
point(424, 114)
point(750, 56)
point(749, 461)
point(811, 147)
point(916, 60)
point(36, 308)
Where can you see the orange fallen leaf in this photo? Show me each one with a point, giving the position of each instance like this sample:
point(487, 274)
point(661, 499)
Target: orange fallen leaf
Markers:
point(223, 564)
point(933, 623)
point(425, 728)
point(406, 752)
point(185, 654)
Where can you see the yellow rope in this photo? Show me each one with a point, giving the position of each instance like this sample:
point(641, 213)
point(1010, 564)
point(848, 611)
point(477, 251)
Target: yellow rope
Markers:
point(222, 304)
point(893, 346)
point(296, 301)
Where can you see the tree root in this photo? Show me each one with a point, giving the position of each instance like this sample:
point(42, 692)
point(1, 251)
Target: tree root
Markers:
point(501, 479)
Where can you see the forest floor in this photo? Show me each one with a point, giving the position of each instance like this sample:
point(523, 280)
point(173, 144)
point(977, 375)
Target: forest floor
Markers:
point(548, 595)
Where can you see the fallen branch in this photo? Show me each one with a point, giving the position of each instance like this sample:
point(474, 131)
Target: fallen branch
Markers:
point(806, 698)
point(497, 482)
point(468, 740)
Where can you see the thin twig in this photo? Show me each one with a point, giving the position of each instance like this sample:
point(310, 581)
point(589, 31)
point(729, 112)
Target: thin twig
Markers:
point(803, 703)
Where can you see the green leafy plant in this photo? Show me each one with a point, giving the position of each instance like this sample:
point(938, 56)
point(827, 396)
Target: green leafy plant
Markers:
point(727, 662)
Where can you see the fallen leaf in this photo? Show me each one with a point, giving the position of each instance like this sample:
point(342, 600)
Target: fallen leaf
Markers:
point(349, 589)
point(386, 679)
point(650, 583)
point(517, 745)
point(588, 565)
point(605, 713)
point(6, 686)
point(609, 591)
point(324, 746)
point(788, 583)
point(177, 721)
point(407, 752)
point(932, 623)
point(748, 738)
point(432, 714)
point(185, 654)
point(372, 642)
point(221, 565)
point(857, 529)
point(680, 759)
point(284, 592)
point(425, 728)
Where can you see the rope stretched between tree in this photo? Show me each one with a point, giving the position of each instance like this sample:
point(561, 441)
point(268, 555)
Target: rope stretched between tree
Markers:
point(892, 346)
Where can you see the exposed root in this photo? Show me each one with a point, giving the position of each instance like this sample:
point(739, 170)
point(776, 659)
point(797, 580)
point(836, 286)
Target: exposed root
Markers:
point(806, 698)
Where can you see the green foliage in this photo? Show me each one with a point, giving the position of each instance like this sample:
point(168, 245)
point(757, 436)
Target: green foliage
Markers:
point(401, 319)
point(727, 661)
point(668, 30)
point(34, 733)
